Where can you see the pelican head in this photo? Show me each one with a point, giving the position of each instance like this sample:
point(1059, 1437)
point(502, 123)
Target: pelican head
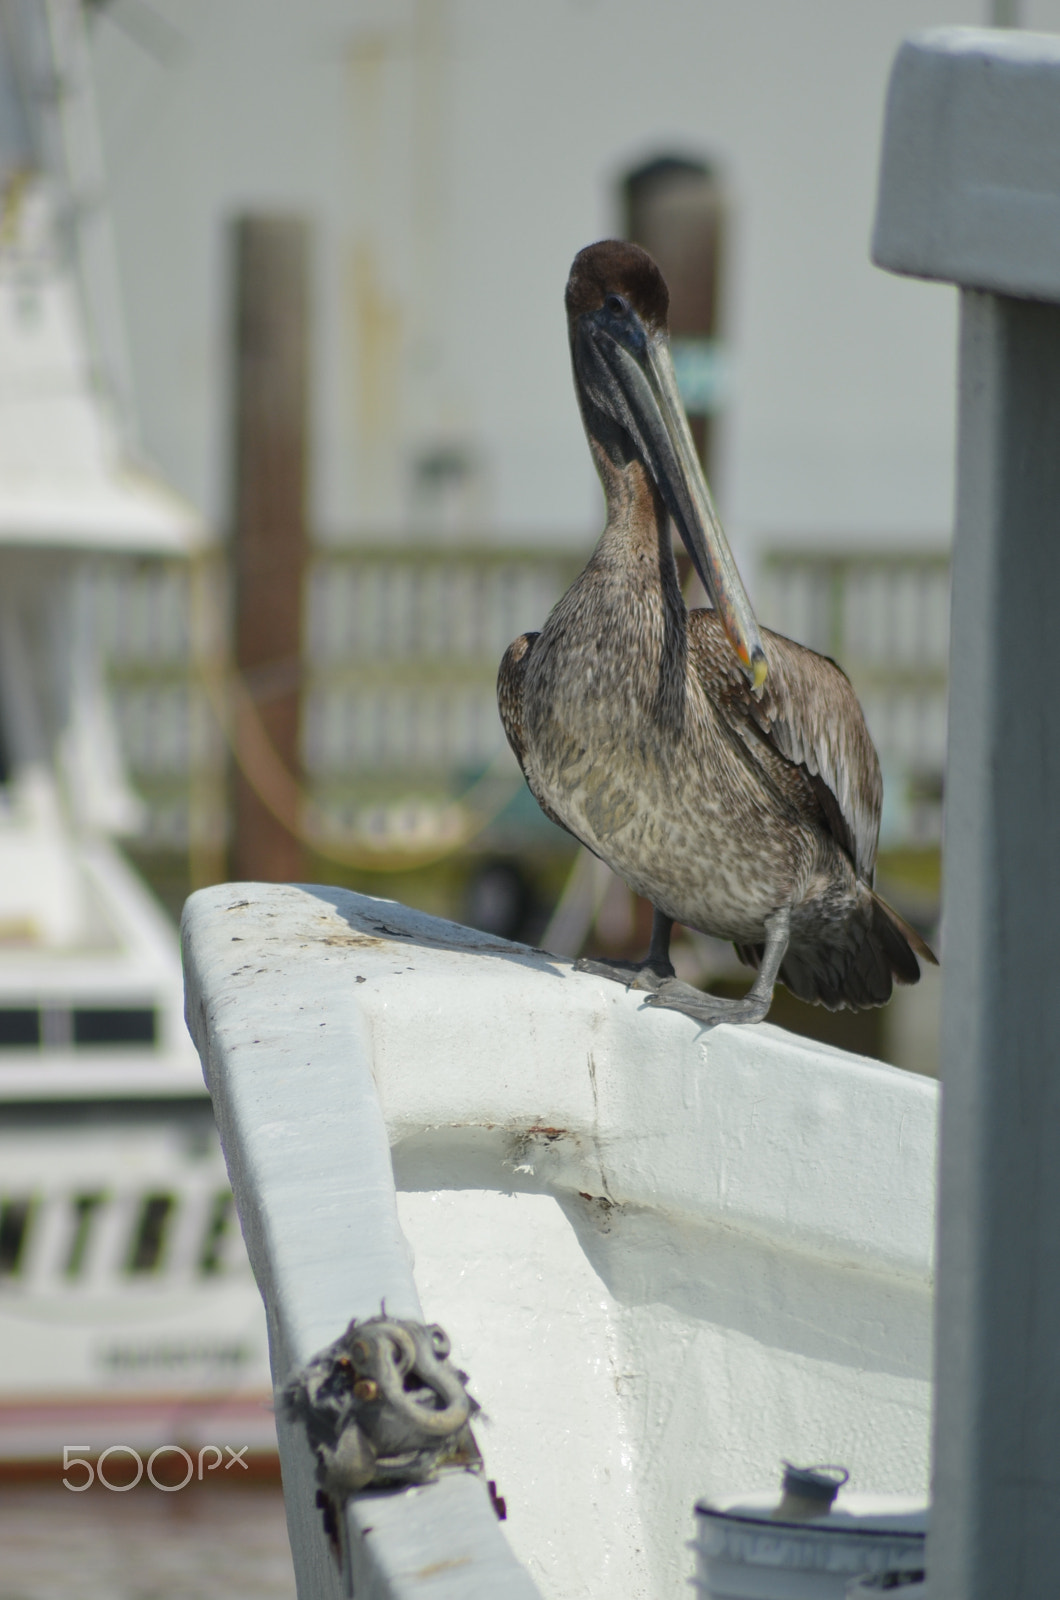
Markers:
point(617, 303)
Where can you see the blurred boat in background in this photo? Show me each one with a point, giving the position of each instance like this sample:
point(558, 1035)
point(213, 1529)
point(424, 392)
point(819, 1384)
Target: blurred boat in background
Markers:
point(128, 1316)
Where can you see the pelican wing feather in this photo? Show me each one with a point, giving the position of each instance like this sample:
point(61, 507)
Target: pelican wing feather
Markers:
point(807, 713)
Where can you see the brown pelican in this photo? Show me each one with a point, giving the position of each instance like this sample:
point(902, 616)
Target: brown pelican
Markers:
point(722, 771)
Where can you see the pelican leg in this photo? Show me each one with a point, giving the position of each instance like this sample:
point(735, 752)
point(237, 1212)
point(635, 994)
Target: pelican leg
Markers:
point(645, 974)
point(710, 1009)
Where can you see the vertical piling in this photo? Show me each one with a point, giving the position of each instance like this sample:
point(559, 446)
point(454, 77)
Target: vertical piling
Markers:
point(997, 1465)
point(970, 194)
point(271, 374)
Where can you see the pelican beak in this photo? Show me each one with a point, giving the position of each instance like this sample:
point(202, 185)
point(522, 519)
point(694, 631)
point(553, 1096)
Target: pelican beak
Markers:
point(684, 487)
point(640, 391)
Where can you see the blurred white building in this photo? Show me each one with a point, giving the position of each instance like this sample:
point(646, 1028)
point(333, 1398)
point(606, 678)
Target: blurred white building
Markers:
point(453, 155)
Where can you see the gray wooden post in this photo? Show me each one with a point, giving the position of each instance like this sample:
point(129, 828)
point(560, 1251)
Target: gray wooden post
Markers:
point(970, 194)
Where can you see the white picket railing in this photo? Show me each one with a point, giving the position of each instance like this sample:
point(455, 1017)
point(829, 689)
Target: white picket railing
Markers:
point(143, 1204)
point(402, 649)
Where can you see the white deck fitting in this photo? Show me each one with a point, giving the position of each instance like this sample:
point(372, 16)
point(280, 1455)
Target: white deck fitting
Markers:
point(970, 193)
point(969, 185)
point(666, 1258)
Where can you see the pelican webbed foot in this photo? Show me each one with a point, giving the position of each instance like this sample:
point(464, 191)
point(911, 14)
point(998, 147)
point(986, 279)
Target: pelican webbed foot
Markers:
point(709, 1009)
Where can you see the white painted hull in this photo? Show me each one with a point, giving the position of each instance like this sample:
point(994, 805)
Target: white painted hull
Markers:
point(668, 1260)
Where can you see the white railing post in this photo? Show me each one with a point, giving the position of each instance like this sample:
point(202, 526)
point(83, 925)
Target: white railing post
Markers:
point(970, 194)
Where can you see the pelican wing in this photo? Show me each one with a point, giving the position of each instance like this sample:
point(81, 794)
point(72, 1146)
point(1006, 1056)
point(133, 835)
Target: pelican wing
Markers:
point(510, 693)
point(510, 705)
point(810, 715)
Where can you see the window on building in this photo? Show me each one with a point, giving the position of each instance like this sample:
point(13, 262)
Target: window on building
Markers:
point(675, 209)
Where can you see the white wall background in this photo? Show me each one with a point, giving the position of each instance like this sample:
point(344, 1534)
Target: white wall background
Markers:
point(453, 155)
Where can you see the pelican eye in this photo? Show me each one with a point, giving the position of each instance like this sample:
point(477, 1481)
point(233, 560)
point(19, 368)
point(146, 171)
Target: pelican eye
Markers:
point(617, 305)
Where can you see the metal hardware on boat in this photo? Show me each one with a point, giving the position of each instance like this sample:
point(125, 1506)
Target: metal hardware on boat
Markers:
point(752, 1548)
point(383, 1406)
point(809, 1492)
